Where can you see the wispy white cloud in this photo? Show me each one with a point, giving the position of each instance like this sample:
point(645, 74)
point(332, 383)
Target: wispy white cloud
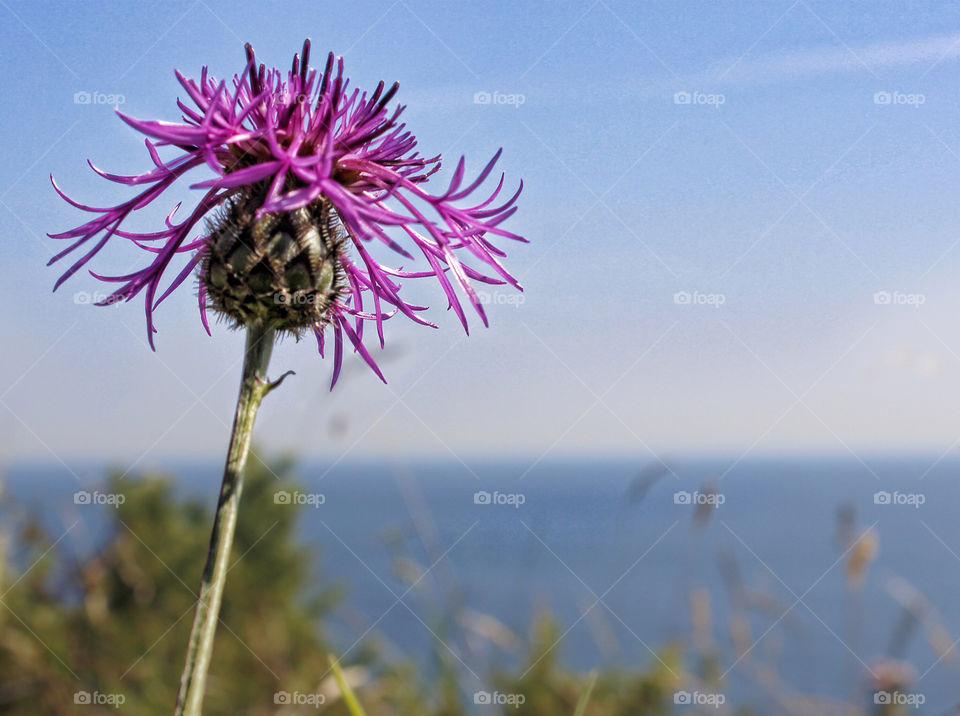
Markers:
point(930, 51)
point(753, 67)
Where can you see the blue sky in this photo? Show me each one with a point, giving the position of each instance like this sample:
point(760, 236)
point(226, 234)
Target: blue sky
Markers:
point(816, 163)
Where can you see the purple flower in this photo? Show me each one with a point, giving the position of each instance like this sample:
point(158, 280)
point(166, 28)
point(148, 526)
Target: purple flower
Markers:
point(295, 143)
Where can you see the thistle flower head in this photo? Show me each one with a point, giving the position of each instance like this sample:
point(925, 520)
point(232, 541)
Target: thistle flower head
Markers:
point(307, 175)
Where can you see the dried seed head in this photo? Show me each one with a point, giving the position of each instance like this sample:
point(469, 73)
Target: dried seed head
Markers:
point(281, 269)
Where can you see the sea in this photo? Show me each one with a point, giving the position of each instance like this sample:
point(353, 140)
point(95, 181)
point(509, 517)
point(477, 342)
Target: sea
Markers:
point(821, 570)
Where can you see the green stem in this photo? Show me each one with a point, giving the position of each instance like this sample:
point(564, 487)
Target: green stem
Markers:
point(253, 387)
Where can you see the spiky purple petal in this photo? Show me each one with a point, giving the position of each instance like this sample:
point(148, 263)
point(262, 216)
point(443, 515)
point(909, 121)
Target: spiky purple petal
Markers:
point(304, 135)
